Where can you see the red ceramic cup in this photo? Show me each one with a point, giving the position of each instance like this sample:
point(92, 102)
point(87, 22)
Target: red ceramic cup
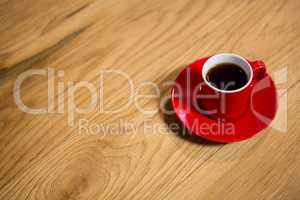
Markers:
point(229, 104)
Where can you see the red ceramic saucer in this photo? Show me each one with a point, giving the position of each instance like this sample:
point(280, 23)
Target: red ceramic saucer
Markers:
point(259, 115)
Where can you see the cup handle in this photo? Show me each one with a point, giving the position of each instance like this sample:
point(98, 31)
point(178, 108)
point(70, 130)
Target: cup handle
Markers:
point(259, 69)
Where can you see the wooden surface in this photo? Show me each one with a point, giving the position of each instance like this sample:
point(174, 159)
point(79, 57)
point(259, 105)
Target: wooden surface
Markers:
point(42, 157)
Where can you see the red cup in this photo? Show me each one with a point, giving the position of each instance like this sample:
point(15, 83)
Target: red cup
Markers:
point(229, 105)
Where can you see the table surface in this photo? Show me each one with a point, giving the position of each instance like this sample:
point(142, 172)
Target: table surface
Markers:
point(45, 156)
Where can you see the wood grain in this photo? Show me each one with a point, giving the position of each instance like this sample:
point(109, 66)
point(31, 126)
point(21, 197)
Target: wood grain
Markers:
point(43, 158)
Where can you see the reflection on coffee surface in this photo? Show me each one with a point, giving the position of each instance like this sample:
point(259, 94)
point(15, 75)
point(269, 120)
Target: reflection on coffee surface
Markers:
point(227, 76)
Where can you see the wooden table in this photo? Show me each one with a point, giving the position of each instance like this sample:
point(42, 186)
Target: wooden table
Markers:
point(45, 156)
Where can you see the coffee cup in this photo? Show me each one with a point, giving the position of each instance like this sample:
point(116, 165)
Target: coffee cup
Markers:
point(224, 102)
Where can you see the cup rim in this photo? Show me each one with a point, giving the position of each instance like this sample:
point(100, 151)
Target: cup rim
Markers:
point(228, 91)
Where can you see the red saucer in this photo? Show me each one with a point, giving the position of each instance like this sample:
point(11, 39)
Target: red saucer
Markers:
point(259, 115)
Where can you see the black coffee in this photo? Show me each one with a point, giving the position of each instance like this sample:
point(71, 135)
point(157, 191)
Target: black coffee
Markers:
point(227, 76)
